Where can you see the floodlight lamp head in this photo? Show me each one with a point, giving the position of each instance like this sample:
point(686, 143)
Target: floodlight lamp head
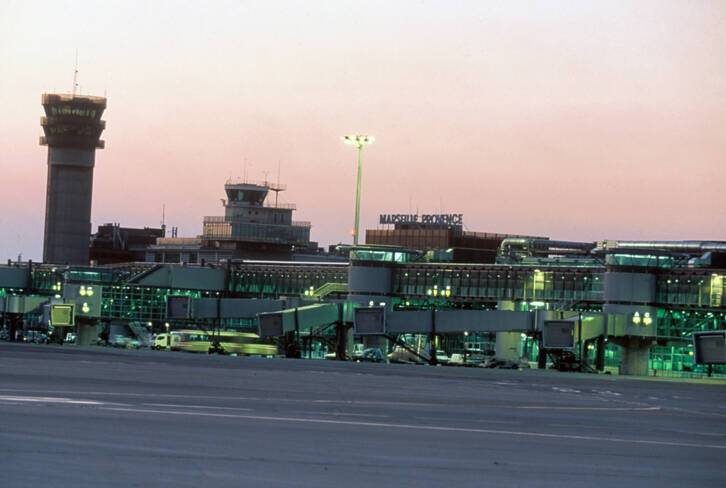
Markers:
point(358, 140)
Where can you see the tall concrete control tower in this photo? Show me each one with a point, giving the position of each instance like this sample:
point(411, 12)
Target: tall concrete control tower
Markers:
point(72, 126)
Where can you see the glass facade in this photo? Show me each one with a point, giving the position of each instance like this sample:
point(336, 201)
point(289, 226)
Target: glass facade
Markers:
point(274, 281)
point(298, 233)
point(494, 283)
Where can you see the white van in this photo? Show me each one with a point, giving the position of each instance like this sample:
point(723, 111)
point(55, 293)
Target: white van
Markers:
point(165, 341)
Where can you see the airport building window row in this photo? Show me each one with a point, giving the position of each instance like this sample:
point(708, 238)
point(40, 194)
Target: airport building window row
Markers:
point(286, 281)
point(500, 283)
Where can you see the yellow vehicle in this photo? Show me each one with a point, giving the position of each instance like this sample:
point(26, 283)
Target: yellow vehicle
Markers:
point(164, 341)
point(191, 341)
point(183, 340)
point(229, 342)
point(247, 343)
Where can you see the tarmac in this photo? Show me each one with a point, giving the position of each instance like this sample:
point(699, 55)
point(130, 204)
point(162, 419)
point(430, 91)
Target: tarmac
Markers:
point(100, 417)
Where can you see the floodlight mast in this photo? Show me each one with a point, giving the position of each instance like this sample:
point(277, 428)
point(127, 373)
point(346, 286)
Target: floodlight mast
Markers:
point(358, 140)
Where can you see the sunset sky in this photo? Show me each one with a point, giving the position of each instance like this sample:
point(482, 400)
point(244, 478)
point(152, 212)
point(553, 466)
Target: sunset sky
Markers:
point(581, 120)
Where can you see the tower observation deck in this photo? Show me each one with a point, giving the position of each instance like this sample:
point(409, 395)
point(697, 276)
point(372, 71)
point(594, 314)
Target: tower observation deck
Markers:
point(72, 127)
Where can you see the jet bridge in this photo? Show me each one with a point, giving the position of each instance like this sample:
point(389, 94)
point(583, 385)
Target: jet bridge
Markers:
point(311, 321)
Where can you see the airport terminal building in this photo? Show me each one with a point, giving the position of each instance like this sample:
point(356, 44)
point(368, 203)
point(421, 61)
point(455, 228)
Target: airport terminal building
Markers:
point(421, 283)
point(633, 305)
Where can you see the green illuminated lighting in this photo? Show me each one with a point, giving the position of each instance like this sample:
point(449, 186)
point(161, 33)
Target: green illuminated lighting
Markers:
point(85, 308)
point(636, 318)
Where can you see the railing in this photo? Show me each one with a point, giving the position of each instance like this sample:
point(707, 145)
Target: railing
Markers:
point(224, 220)
point(327, 289)
point(214, 220)
point(256, 232)
point(267, 184)
point(285, 206)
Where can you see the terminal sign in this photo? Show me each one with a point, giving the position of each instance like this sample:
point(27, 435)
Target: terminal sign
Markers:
point(447, 219)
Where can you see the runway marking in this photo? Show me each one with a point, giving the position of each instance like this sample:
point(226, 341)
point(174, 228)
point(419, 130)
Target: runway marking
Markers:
point(344, 414)
point(565, 390)
point(174, 405)
point(460, 419)
point(607, 409)
point(421, 427)
point(67, 401)
point(353, 403)
point(214, 397)
point(372, 415)
point(607, 392)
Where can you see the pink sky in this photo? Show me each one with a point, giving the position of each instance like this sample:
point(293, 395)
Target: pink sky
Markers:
point(575, 120)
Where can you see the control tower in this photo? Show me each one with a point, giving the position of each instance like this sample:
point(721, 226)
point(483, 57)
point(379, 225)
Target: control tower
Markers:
point(72, 126)
point(252, 227)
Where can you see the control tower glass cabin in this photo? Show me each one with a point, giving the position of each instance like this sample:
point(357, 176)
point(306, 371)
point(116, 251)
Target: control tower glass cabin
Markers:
point(72, 126)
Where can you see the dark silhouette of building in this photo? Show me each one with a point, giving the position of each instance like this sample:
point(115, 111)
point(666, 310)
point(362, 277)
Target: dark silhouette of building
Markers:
point(115, 244)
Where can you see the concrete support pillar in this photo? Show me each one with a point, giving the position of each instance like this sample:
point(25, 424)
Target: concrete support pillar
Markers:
point(86, 334)
point(349, 341)
point(507, 343)
point(541, 355)
point(600, 353)
point(341, 341)
point(507, 346)
point(635, 357)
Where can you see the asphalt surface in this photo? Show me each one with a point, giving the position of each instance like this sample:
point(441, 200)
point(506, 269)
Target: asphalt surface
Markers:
point(92, 417)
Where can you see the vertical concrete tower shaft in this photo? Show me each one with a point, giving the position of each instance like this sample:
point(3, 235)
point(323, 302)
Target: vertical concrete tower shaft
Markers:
point(72, 126)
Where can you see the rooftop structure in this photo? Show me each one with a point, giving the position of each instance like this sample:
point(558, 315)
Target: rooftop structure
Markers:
point(115, 244)
point(251, 227)
point(443, 238)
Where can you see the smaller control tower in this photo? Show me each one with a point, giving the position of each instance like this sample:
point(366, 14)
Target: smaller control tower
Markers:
point(72, 126)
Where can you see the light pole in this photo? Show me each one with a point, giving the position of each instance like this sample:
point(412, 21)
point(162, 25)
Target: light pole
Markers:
point(358, 140)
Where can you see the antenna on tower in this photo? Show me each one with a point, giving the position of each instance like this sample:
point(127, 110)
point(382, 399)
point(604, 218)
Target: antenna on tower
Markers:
point(277, 188)
point(75, 75)
point(163, 220)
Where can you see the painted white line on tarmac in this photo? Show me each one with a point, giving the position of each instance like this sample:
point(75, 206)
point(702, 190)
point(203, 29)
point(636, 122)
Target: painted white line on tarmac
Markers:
point(463, 419)
point(334, 414)
point(67, 401)
point(215, 397)
point(354, 403)
point(174, 405)
point(421, 427)
point(605, 409)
